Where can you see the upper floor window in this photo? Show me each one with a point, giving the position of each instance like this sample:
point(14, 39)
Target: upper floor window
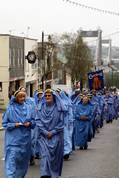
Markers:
point(10, 57)
point(13, 57)
point(18, 57)
point(21, 56)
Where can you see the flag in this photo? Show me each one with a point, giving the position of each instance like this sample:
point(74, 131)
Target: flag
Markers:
point(96, 80)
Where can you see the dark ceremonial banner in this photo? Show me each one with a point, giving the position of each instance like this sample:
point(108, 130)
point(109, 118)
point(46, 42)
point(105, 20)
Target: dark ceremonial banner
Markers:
point(96, 80)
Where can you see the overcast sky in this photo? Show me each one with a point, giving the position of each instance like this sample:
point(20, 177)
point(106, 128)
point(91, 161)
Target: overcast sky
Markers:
point(57, 16)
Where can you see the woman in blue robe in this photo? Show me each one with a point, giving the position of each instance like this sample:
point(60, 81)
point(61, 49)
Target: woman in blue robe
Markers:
point(31, 101)
point(82, 122)
point(17, 121)
point(50, 123)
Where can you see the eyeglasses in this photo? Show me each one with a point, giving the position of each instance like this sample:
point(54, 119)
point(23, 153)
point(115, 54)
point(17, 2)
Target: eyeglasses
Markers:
point(48, 95)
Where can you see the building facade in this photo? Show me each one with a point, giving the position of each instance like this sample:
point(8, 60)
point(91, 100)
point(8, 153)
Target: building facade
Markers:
point(15, 71)
point(4, 70)
point(31, 70)
point(11, 66)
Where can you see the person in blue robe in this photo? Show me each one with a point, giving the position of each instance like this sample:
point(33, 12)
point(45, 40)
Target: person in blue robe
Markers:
point(74, 94)
point(35, 95)
point(82, 122)
point(31, 102)
point(75, 101)
point(68, 124)
point(38, 99)
point(50, 123)
point(108, 107)
point(95, 100)
point(18, 120)
point(116, 105)
point(101, 105)
point(91, 129)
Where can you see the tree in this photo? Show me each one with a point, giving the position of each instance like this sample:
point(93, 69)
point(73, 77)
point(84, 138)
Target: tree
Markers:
point(78, 56)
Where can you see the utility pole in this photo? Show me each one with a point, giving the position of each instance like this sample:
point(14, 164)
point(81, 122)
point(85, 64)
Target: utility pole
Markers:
point(43, 59)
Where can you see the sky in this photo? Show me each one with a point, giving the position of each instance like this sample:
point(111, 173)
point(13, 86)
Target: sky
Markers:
point(31, 17)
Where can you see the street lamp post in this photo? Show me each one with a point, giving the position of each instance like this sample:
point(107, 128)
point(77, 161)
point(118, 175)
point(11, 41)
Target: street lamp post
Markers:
point(48, 51)
point(43, 59)
point(112, 77)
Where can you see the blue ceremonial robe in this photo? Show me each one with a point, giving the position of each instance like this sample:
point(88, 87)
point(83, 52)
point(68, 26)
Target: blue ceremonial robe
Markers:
point(82, 126)
point(116, 106)
point(68, 123)
point(31, 102)
point(17, 139)
point(51, 119)
point(108, 108)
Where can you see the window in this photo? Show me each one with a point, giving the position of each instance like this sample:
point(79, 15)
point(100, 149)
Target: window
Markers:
point(13, 57)
point(10, 57)
point(18, 57)
point(0, 86)
point(21, 56)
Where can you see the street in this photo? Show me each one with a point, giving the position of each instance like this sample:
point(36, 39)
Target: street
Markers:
point(101, 160)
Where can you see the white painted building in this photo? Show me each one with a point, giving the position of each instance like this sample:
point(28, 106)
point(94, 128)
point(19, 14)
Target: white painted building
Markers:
point(31, 70)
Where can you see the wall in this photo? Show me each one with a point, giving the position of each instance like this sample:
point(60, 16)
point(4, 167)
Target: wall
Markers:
point(4, 70)
point(31, 70)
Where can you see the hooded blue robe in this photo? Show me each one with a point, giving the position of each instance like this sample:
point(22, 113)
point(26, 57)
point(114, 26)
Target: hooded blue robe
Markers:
point(82, 126)
point(108, 108)
point(36, 145)
point(17, 139)
point(51, 119)
point(68, 123)
point(31, 102)
point(75, 101)
point(116, 106)
point(96, 100)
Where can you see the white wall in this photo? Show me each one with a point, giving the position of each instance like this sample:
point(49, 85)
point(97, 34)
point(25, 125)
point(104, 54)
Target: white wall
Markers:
point(4, 70)
point(31, 74)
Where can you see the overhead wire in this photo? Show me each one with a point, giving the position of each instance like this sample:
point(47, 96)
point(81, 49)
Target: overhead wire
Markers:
point(92, 8)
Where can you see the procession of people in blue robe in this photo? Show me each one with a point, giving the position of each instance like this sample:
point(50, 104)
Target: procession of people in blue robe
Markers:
point(51, 125)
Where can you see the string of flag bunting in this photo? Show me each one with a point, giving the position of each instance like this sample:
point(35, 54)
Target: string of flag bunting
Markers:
point(92, 8)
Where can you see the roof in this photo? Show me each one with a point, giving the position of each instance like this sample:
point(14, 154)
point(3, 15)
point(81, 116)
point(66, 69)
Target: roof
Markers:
point(14, 36)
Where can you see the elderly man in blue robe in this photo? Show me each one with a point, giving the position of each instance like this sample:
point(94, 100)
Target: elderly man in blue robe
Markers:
point(83, 116)
point(50, 123)
point(17, 121)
